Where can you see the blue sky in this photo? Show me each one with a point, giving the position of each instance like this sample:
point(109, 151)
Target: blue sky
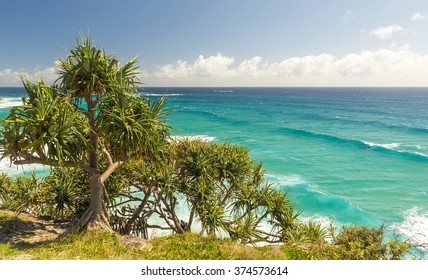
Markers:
point(227, 42)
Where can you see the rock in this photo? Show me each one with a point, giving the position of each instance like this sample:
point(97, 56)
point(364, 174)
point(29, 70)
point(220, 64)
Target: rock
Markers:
point(135, 242)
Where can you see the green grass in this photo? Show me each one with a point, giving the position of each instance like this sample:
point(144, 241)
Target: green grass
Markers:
point(197, 247)
point(91, 245)
point(101, 245)
point(11, 224)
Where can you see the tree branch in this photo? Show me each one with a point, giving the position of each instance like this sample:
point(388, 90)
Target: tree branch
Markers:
point(107, 155)
point(110, 170)
point(112, 167)
point(37, 160)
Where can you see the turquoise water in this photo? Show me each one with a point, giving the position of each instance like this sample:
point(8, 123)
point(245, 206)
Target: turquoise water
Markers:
point(345, 154)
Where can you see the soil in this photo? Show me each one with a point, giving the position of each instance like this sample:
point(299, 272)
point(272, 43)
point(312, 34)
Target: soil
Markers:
point(26, 228)
point(29, 229)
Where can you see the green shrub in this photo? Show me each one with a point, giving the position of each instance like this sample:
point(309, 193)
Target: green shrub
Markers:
point(365, 243)
point(25, 194)
point(67, 194)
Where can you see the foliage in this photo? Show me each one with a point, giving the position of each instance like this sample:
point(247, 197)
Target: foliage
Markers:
point(110, 147)
point(67, 193)
point(212, 188)
point(397, 249)
point(190, 246)
point(92, 119)
point(24, 194)
point(5, 187)
point(308, 232)
point(359, 243)
point(61, 194)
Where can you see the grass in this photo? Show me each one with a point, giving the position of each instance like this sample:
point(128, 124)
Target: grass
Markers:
point(10, 224)
point(197, 247)
point(101, 245)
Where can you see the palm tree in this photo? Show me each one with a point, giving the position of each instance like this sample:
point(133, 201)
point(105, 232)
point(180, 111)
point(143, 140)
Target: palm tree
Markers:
point(93, 115)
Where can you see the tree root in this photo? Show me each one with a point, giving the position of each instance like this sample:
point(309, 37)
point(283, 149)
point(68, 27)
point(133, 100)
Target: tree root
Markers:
point(89, 221)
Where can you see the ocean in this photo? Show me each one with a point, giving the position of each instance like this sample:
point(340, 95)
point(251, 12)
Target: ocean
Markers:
point(343, 154)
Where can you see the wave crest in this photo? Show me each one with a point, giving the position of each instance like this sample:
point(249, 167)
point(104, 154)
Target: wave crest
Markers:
point(7, 102)
point(160, 94)
point(389, 149)
point(204, 138)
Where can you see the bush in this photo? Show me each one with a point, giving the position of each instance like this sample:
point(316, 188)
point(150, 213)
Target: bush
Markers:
point(219, 187)
point(23, 194)
point(66, 192)
point(307, 232)
point(61, 195)
point(360, 243)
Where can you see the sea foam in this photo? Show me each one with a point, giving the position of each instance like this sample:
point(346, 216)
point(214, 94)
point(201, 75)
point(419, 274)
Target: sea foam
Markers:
point(414, 227)
point(160, 94)
point(204, 138)
point(288, 180)
point(391, 146)
point(10, 102)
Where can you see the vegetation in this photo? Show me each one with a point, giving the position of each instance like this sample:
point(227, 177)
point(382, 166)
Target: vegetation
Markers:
point(114, 166)
point(92, 119)
point(212, 188)
point(106, 245)
point(61, 195)
point(302, 240)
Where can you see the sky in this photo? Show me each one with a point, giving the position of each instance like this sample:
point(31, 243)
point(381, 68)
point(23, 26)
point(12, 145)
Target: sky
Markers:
point(226, 42)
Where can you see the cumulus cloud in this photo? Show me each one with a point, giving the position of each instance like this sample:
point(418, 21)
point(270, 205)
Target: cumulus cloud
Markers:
point(393, 66)
point(213, 66)
point(417, 16)
point(383, 67)
point(10, 77)
point(386, 32)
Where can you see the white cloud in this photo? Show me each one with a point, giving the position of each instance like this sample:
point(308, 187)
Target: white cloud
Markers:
point(387, 32)
point(397, 66)
point(10, 77)
point(213, 66)
point(417, 16)
point(393, 66)
point(49, 75)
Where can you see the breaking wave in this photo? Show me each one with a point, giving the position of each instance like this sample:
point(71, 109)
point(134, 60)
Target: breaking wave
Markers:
point(204, 138)
point(389, 148)
point(10, 102)
point(414, 227)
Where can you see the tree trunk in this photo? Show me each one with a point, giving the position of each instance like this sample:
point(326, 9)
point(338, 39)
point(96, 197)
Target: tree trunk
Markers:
point(99, 217)
point(96, 217)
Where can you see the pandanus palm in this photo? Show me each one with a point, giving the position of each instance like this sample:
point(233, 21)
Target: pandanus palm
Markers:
point(93, 114)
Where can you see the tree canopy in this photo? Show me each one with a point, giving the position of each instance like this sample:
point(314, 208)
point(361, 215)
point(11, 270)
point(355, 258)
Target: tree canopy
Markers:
point(92, 118)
